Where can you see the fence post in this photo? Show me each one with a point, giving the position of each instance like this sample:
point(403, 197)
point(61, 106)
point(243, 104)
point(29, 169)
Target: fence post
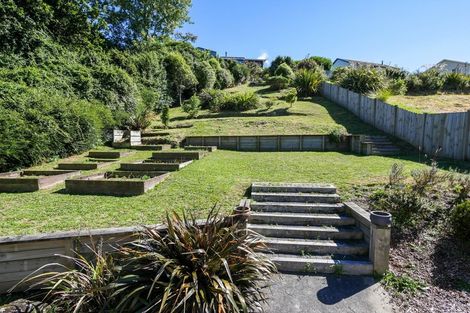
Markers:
point(379, 251)
point(466, 136)
point(374, 122)
point(423, 136)
point(395, 120)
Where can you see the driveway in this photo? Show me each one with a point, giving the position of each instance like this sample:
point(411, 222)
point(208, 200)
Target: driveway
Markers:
point(325, 294)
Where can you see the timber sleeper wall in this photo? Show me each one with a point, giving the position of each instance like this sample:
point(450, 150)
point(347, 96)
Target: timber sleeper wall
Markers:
point(271, 143)
point(448, 131)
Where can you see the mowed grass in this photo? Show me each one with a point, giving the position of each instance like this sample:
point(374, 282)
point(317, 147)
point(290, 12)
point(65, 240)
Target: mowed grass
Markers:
point(307, 116)
point(433, 103)
point(222, 179)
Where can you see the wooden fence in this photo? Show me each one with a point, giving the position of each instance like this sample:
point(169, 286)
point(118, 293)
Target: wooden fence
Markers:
point(272, 142)
point(448, 131)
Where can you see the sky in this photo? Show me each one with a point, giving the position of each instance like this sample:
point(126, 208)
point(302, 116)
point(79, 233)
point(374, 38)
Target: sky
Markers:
point(412, 34)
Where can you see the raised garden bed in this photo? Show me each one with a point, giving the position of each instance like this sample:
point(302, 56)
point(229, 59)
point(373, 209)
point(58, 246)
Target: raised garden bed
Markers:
point(152, 147)
point(108, 154)
point(27, 181)
point(84, 166)
point(180, 155)
point(202, 148)
point(154, 166)
point(118, 183)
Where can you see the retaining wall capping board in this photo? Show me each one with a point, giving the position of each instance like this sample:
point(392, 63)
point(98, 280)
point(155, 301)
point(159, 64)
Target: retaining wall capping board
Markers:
point(205, 148)
point(180, 155)
point(153, 166)
point(428, 131)
point(83, 166)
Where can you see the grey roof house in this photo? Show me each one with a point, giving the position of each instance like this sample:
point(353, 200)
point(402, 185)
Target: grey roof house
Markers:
point(451, 66)
point(354, 63)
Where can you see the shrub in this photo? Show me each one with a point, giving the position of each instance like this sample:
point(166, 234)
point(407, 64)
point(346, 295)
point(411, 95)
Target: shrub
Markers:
point(241, 101)
point(270, 103)
point(397, 86)
point(307, 82)
point(427, 178)
point(180, 76)
point(206, 75)
point(279, 82)
point(460, 220)
point(192, 106)
point(337, 135)
point(384, 94)
point(278, 61)
point(456, 82)
point(141, 118)
point(429, 81)
point(284, 70)
point(325, 63)
point(165, 115)
point(189, 267)
point(290, 96)
point(402, 284)
point(212, 99)
point(361, 79)
point(224, 79)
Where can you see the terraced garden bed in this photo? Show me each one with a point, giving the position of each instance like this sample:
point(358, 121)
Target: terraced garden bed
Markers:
point(108, 154)
point(28, 181)
point(118, 183)
point(154, 165)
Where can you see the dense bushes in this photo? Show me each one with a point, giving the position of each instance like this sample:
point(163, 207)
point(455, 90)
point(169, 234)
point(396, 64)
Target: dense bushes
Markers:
point(218, 100)
point(38, 124)
point(279, 82)
point(460, 219)
point(284, 70)
point(307, 82)
point(362, 79)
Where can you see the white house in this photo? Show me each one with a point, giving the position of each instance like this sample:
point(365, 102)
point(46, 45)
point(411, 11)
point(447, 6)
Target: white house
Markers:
point(451, 66)
point(354, 63)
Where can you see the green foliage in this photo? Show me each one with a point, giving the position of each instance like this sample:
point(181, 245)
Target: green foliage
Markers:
point(361, 79)
point(192, 106)
point(206, 75)
point(241, 101)
point(290, 96)
point(429, 81)
point(460, 220)
point(212, 99)
point(397, 86)
point(384, 94)
point(278, 61)
point(165, 115)
point(307, 82)
point(224, 79)
point(402, 284)
point(215, 266)
point(180, 75)
point(312, 62)
point(270, 103)
point(338, 135)
point(456, 82)
point(284, 70)
point(38, 124)
point(128, 21)
point(279, 82)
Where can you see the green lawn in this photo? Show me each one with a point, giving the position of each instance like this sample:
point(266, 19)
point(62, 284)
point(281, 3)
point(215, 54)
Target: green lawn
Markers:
point(221, 178)
point(437, 103)
point(307, 116)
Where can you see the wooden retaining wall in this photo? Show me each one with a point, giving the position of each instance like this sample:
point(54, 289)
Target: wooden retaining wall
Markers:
point(266, 143)
point(448, 131)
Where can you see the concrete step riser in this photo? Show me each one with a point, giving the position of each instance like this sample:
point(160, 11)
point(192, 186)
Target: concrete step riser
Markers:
point(311, 267)
point(299, 234)
point(301, 221)
point(295, 198)
point(297, 209)
point(301, 249)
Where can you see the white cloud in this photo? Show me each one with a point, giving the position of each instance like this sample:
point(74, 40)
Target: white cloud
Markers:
point(264, 56)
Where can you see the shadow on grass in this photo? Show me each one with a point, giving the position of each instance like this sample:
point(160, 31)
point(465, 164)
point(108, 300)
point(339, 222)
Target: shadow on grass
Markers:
point(259, 113)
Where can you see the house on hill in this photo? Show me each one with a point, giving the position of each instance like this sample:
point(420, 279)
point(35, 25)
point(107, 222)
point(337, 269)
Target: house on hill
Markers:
point(451, 66)
point(354, 63)
point(243, 60)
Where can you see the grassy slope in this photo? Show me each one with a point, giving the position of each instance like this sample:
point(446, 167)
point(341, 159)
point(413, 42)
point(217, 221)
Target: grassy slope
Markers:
point(221, 178)
point(433, 103)
point(313, 116)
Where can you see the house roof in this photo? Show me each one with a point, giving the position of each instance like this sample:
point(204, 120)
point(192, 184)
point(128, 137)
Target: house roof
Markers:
point(453, 61)
point(242, 58)
point(363, 63)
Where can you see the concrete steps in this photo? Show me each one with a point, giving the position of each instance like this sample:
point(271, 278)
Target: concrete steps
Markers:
point(295, 197)
point(295, 207)
point(289, 263)
point(308, 229)
point(301, 219)
point(379, 145)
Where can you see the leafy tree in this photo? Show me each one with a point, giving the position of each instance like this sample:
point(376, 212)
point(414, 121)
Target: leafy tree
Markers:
point(206, 75)
point(192, 106)
point(165, 115)
point(278, 61)
point(142, 19)
point(180, 75)
point(290, 96)
point(323, 62)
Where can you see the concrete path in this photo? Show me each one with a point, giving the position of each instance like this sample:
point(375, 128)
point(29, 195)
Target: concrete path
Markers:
point(325, 294)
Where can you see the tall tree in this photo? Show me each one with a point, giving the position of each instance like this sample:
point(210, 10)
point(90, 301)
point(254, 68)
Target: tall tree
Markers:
point(137, 20)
